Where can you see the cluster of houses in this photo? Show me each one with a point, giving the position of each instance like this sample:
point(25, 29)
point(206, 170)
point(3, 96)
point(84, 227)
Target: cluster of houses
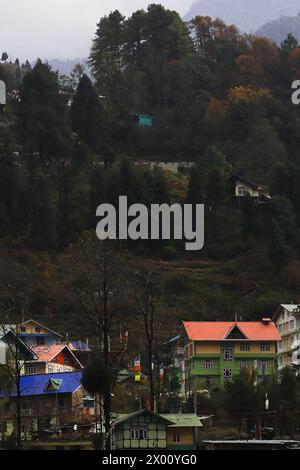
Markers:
point(205, 354)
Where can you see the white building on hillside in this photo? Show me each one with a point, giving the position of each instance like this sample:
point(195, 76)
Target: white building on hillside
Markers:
point(287, 319)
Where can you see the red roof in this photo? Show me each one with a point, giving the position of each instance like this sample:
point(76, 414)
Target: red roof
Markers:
point(216, 331)
point(48, 353)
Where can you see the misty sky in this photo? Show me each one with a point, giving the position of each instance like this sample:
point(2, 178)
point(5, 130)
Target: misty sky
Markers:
point(60, 29)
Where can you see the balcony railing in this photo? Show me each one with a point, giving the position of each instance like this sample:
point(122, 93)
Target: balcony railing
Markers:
point(44, 412)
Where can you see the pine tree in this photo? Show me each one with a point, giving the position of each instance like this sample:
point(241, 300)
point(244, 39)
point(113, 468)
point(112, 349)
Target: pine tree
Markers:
point(88, 115)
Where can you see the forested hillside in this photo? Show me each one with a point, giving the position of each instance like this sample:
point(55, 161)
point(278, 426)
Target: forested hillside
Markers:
point(214, 97)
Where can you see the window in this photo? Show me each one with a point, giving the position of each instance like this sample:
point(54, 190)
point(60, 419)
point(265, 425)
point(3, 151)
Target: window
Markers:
point(263, 364)
point(245, 347)
point(242, 191)
point(176, 438)
point(292, 324)
point(227, 352)
point(23, 329)
point(208, 381)
point(37, 329)
point(227, 373)
point(245, 365)
point(265, 347)
point(139, 432)
point(208, 364)
point(31, 369)
point(280, 328)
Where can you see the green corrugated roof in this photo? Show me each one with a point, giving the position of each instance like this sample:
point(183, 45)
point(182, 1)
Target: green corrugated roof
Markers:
point(184, 420)
point(122, 418)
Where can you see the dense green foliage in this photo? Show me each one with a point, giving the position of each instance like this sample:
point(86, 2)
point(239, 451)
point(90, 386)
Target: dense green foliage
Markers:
point(219, 99)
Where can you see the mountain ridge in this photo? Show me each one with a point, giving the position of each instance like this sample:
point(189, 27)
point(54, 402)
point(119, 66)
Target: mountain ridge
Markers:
point(248, 16)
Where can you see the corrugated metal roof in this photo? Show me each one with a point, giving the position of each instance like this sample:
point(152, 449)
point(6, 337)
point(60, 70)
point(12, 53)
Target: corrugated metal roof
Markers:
point(48, 353)
point(217, 331)
point(36, 384)
point(184, 420)
point(122, 418)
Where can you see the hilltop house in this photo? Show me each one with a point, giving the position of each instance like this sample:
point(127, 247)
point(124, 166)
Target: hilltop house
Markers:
point(48, 401)
point(35, 334)
point(287, 319)
point(52, 359)
point(148, 430)
point(216, 351)
point(241, 187)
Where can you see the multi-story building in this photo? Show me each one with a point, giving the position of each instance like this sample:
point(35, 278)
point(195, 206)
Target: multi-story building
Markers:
point(48, 401)
point(217, 351)
point(287, 319)
point(52, 359)
point(34, 334)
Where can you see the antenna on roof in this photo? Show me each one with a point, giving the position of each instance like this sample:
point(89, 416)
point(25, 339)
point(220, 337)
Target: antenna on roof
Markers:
point(235, 317)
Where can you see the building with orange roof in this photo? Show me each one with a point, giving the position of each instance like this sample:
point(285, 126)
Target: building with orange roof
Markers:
point(217, 351)
point(52, 359)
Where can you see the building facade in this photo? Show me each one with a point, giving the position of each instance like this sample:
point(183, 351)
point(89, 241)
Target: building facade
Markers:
point(34, 334)
point(287, 319)
point(48, 401)
point(52, 359)
point(217, 351)
point(147, 430)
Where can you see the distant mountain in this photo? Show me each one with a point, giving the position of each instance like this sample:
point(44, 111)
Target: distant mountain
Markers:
point(65, 67)
point(247, 15)
point(278, 30)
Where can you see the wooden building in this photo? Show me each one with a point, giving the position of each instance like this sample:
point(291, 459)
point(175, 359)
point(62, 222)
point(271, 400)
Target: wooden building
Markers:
point(149, 430)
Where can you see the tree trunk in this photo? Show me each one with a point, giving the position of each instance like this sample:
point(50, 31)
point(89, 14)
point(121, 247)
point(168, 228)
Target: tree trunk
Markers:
point(150, 374)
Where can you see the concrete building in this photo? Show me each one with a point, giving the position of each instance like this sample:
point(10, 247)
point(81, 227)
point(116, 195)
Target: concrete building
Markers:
point(287, 319)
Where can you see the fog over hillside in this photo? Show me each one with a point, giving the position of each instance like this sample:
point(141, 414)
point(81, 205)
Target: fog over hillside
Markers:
point(278, 30)
point(248, 15)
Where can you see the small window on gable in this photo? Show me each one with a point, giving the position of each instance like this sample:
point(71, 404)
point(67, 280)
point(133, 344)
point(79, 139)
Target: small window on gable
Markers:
point(37, 329)
point(235, 333)
point(53, 384)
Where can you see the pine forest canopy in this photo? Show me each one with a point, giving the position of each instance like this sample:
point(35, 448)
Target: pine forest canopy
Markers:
point(218, 98)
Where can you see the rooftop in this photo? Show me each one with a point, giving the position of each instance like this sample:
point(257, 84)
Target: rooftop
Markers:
point(217, 331)
point(38, 384)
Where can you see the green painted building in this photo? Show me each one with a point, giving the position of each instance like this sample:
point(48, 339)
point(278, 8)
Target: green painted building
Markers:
point(217, 351)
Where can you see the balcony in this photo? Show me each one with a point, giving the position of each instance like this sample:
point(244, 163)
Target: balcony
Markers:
point(46, 412)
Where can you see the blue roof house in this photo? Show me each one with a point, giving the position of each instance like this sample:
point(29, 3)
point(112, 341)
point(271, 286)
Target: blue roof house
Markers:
point(48, 401)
